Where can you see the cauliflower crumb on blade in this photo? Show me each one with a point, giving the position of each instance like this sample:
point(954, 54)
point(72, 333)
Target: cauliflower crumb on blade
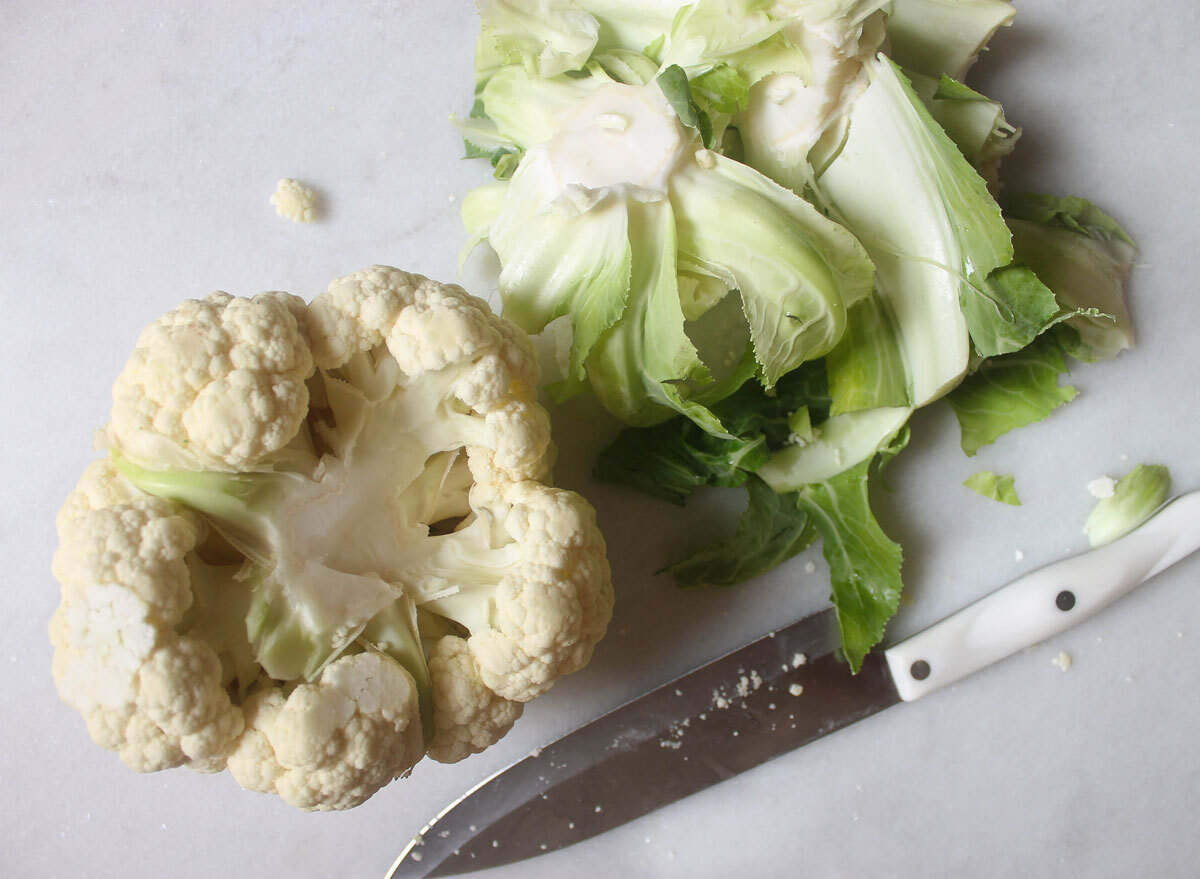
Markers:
point(321, 545)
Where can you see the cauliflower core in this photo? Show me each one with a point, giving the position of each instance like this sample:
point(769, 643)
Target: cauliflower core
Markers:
point(319, 548)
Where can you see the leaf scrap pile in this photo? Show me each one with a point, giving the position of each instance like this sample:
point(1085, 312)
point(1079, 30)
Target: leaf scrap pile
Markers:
point(772, 232)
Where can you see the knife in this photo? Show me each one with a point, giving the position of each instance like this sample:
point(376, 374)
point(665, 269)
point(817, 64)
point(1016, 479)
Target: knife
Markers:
point(782, 691)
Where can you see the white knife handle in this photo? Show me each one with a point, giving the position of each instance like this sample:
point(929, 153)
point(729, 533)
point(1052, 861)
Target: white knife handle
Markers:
point(1043, 603)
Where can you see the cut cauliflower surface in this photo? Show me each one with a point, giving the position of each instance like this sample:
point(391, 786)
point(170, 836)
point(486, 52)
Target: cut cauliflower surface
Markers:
point(319, 547)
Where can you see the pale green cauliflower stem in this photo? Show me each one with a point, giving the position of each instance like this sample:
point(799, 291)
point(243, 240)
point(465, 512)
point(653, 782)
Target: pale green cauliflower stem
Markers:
point(240, 579)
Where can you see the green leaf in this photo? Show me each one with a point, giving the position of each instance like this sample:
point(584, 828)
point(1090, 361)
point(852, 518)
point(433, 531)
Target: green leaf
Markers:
point(797, 270)
point(553, 263)
point(471, 151)
point(949, 89)
point(866, 369)
point(1137, 496)
point(658, 462)
point(800, 425)
point(993, 486)
point(479, 210)
point(1087, 275)
point(773, 528)
point(1010, 391)
point(674, 84)
point(840, 443)
point(653, 50)
point(672, 459)
point(707, 32)
point(641, 364)
point(624, 66)
point(546, 38)
point(927, 220)
point(1013, 308)
point(523, 110)
point(722, 89)
point(1074, 213)
point(864, 563)
point(505, 163)
point(973, 121)
point(938, 37)
point(894, 447)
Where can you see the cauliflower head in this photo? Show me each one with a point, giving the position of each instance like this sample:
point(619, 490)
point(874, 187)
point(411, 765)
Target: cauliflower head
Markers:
point(321, 545)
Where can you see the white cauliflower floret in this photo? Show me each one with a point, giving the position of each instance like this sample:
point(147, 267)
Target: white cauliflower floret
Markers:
point(101, 486)
point(439, 333)
point(294, 201)
point(467, 716)
point(535, 590)
point(317, 550)
point(333, 743)
point(216, 383)
point(154, 697)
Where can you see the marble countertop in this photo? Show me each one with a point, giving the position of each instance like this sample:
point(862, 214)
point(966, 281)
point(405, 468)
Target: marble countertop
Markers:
point(139, 144)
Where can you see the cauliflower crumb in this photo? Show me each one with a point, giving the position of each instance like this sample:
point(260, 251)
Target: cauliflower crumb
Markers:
point(795, 689)
point(294, 201)
point(798, 659)
point(1019, 555)
point(810, 567)
point(748, 684)
point(1102, 487)
point(1063, 661)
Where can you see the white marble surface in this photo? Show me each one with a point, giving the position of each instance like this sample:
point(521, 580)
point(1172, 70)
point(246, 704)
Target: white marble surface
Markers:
point(139, 143)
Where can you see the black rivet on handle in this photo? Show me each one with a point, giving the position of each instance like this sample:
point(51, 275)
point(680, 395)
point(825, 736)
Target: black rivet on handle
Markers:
point(919, 670)
point(1065, 600)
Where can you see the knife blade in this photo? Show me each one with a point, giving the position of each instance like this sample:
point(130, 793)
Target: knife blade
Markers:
point(765, 699)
